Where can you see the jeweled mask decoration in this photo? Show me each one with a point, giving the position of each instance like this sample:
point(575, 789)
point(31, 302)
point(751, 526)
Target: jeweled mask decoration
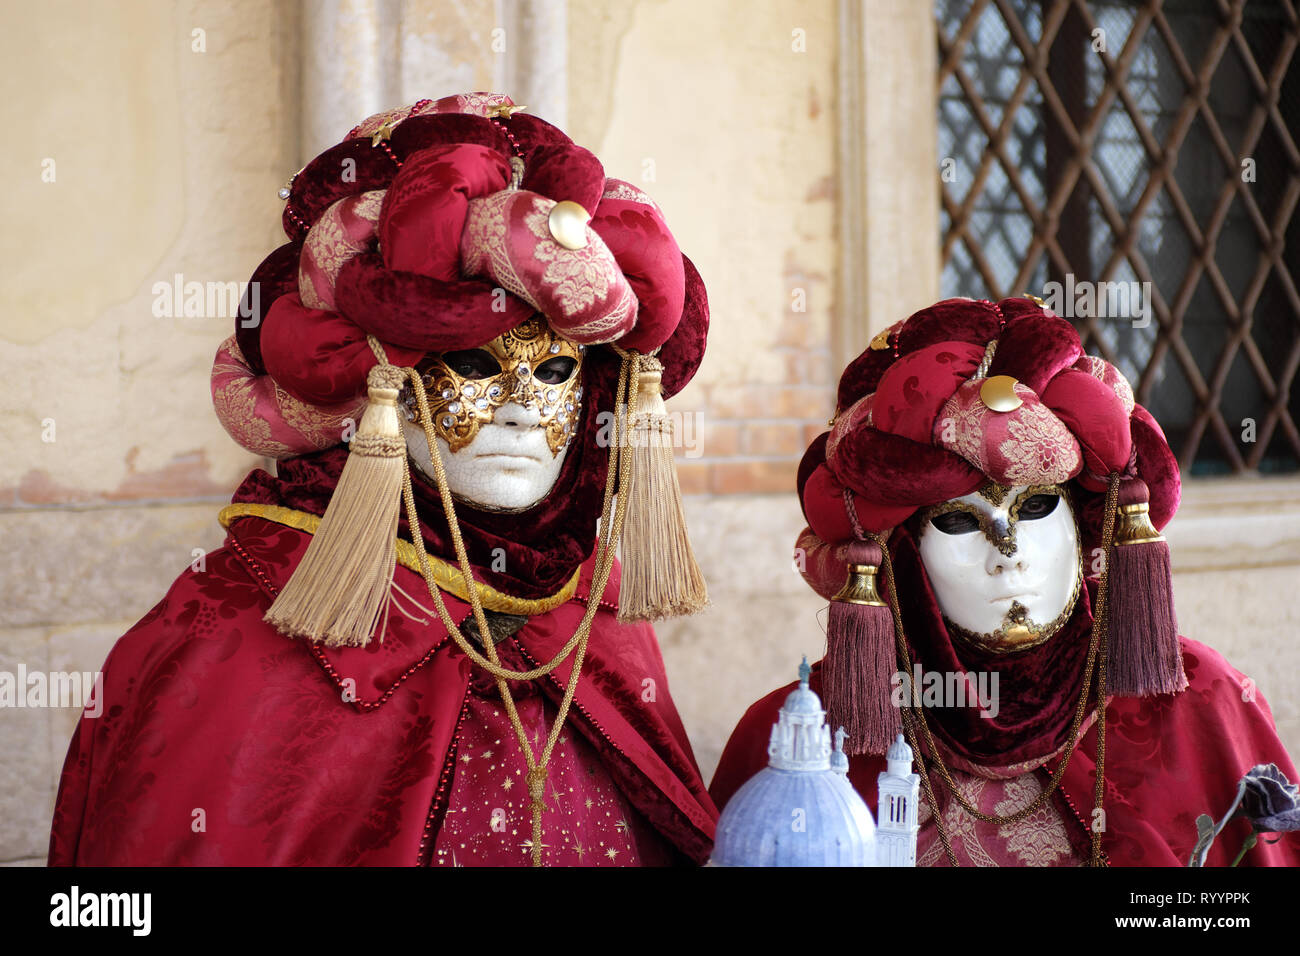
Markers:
point(503, 415)
point(1004, 563)
point(530, 365)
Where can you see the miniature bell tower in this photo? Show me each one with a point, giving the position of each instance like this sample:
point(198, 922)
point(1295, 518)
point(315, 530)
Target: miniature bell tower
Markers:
point(898, 790)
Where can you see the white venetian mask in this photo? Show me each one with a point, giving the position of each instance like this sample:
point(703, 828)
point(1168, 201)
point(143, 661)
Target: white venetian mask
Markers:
point(508, 466)
point(1004, 563)
point(503, 416)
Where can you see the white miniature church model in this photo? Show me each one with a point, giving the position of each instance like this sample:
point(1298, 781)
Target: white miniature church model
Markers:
point(898, 790)
point(801, 810)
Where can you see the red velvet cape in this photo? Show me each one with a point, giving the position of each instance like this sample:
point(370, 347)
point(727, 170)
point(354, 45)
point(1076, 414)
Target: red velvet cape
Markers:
point(223, 742)
point(1169, 758)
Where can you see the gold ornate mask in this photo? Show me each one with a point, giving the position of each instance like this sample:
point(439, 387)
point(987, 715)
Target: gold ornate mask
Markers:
point(529, 365)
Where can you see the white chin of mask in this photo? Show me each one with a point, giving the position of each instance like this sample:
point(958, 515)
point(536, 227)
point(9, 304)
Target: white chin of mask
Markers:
point(507, 467)
point(1005, 602)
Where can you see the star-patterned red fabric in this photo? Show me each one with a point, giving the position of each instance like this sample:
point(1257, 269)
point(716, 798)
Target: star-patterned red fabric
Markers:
point(587, 820)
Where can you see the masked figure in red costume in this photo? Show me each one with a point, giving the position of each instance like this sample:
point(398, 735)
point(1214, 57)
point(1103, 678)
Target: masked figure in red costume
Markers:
point(985, 510)
point(472, 307)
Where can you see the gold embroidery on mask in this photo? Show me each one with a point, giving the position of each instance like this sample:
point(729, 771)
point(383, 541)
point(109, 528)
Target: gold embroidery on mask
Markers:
point(461, 405)
point(1018, 632)
point(994, 493)
point(1029, 492)
point(1000, 534)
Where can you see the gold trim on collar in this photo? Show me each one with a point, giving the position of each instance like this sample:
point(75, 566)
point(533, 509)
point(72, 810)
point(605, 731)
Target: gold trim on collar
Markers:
point(447, 576)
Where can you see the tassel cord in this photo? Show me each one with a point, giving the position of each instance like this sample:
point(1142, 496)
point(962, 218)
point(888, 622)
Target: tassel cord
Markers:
point(341, 588)
point(611, 518)
point(915, 714)
point(1102, 623)
point(661, 577)
point(604, 563)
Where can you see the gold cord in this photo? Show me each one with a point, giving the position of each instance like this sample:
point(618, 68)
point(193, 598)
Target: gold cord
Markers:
point(611, 524)
point(447, 575)
point(1101, 623)
point(915, 713)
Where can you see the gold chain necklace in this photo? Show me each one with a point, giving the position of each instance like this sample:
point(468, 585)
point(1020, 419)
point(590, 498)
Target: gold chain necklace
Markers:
point(611, 525)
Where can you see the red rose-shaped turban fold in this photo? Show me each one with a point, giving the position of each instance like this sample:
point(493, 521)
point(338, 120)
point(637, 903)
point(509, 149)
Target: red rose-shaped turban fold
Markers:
point(1156, 465)
point(424, 212)
point(260, 415)
point(1035, 347)
point(1086, 406)
point(824, 507)
point(897, 474)
point(813, 458)
point(275, 276)
point(415, 312)
point(319, 356)
point(534, 132)
point(888, 475)
point(449, 129)
point(863, 373)
point(684, 349)
point(582, 292)
point(563, 170)
point(355, 165)
point(344, 229)
point(893, 472)
point(912, 392)
point(952, 320)
point(344, 170)
point(633, 228)
point(1026, 446)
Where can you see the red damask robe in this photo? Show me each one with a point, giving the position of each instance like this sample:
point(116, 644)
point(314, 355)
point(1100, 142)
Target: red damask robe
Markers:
point(1168, 759)
point(223, 742)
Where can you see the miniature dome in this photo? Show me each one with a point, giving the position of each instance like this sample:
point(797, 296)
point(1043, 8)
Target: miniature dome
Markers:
point(800, 810)
point(898, 758)
point(803, 701)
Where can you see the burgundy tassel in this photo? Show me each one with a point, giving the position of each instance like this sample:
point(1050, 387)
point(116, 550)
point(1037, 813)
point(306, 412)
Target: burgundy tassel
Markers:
point(860, 658)
point(1142, 631)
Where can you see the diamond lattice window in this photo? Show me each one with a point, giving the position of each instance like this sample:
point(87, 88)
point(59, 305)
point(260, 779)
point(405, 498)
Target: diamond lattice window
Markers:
point(1139, 159)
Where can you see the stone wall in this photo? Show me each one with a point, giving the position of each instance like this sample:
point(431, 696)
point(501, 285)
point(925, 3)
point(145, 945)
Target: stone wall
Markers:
point(167, 148)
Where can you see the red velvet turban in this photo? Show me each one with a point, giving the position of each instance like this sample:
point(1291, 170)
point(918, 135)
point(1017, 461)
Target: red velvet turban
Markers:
point(431, 228)
point(912, 426)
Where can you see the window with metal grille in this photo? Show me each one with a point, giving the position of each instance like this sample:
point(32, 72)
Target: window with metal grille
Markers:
point(1135, 164)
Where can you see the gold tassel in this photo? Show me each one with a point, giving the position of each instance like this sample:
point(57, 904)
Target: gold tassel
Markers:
point(660, 575)
point(344, 581)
